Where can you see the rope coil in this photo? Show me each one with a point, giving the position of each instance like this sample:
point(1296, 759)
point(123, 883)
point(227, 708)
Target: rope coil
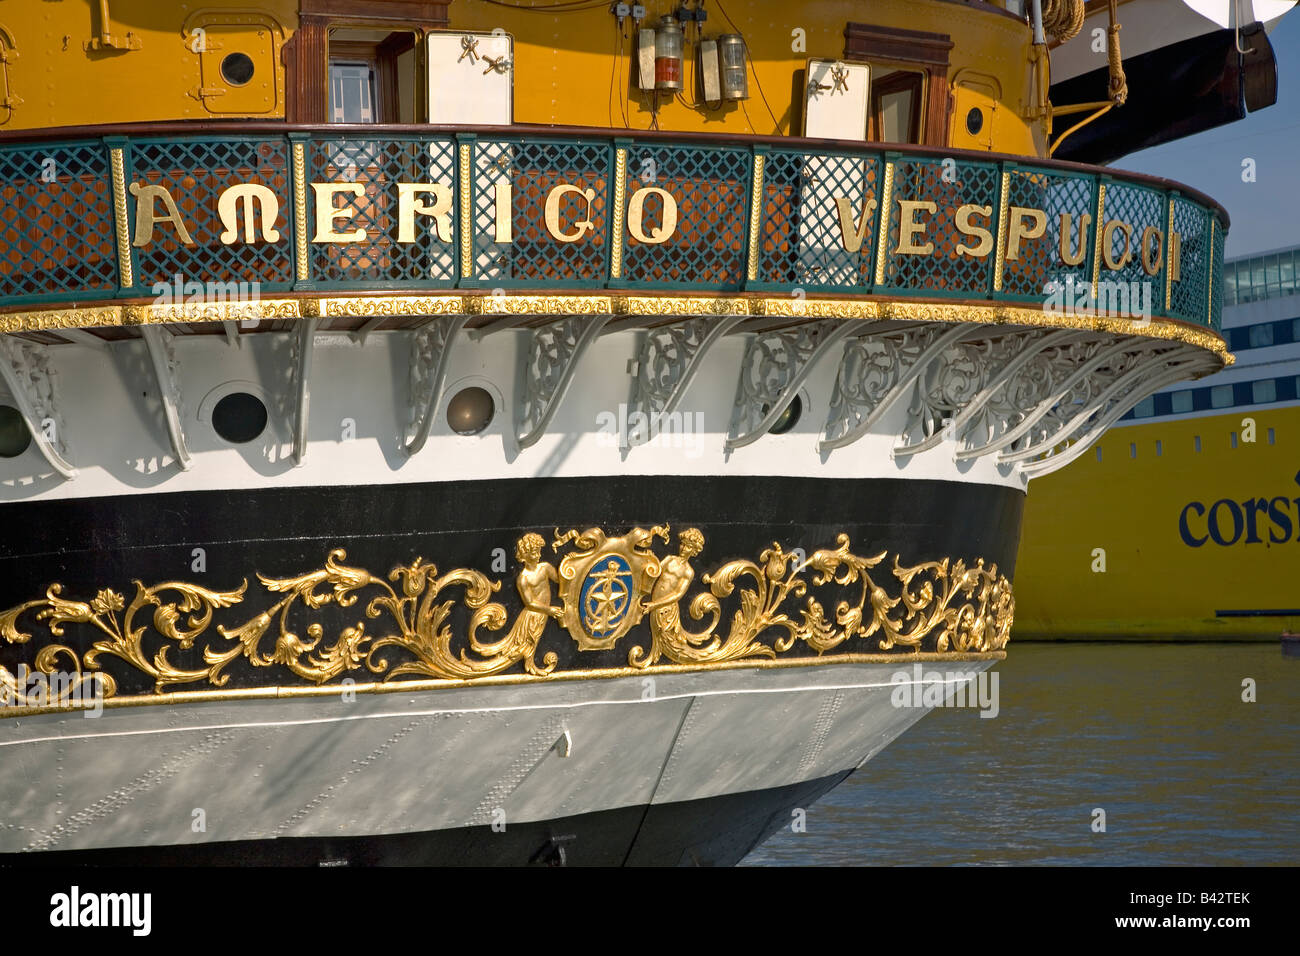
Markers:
point(1063, 19)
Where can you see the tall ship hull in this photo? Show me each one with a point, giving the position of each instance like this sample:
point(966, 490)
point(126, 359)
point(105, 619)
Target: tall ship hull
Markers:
point(1184, 522)
point(407, 458)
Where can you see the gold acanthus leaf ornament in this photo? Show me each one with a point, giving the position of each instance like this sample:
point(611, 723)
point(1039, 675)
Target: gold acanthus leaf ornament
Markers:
point(606, 586)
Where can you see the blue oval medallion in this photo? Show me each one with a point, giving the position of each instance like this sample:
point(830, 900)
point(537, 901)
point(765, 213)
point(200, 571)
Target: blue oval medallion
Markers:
point(606, 595)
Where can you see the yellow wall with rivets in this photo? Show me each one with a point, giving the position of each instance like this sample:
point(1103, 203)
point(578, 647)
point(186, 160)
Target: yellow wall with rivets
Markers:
point(564, 62)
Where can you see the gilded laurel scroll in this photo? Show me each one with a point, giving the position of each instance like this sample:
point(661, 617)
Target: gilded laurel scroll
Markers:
point(446, 625)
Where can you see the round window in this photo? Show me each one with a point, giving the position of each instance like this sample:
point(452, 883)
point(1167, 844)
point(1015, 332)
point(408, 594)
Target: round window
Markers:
point(239, 417)
point(975, 121)
point(237, 69)
point(788, 418)
point(470, 410)
point(14, 436)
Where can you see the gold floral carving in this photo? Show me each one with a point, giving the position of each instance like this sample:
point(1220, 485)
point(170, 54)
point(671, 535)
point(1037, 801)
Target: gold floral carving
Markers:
point(607, 586)
point(366, 306)
point(649, 307)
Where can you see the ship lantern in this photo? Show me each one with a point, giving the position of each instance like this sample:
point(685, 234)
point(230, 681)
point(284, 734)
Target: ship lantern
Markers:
point(735, 79)
point(668, 56)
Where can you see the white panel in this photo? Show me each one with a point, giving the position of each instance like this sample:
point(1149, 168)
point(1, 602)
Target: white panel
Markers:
point(710, 76)
point(837, 98)
point(471, 78)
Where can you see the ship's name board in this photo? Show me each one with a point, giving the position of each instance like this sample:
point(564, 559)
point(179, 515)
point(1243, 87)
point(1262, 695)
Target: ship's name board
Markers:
point(653, 217)
point(1226, 522)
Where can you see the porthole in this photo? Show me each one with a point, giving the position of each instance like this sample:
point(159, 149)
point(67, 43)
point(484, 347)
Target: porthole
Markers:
point(239, 418)
point(788, 418)
point(14, 435)
point(470, 410)
point(974, 121)
point(237, 69)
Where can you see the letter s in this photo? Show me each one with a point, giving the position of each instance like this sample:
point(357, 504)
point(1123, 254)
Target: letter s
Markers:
point(1185, 532)
point(1279, 517)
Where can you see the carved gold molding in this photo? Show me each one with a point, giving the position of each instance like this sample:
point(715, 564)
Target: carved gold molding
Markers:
point(445, 626)
point(650, 306)
point(301, 271)
point(755, 217)
point(120, 226)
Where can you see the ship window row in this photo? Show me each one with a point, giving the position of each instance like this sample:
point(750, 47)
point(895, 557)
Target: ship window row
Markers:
point(1264, 391)
point(1267, 276)
point(1263, 334)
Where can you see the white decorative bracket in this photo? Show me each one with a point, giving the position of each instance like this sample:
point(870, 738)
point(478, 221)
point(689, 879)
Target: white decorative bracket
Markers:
point(1080, 386)
point(875, 372)
point(162, 354)
point(554, 352)
point(1141, 383)
point(1073, 417)
point(774, 368)
point(430, 350)
point(304, 344)
point(668, 362)
point(26, 371)
point(966, 396)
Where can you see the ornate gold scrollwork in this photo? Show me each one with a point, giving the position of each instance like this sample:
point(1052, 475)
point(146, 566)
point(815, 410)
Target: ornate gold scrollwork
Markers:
point(606, 587)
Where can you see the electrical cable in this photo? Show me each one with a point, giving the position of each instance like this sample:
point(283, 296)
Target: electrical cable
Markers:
point(627, 83)
point(565, 6)
point(613, 68)
point(622, 93)
point(753, 69)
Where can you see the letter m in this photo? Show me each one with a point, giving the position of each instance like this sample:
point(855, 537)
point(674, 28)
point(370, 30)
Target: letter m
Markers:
point(255, 199)
point(117, 904)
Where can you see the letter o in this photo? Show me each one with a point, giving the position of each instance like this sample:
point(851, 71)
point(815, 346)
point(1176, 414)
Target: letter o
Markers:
point(1150, 266)
point(636, 216)
point(1238, 523)
point(1107, 234)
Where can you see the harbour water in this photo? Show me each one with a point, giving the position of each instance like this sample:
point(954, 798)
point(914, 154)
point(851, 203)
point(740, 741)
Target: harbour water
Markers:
point(1156, 735)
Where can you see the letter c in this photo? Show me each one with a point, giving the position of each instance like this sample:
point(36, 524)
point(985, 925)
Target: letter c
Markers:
point(1185, 532)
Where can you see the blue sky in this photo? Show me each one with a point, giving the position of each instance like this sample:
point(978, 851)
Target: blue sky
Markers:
point(1266, 213)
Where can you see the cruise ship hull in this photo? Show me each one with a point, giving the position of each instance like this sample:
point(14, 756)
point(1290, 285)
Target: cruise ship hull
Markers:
point(1198, 525)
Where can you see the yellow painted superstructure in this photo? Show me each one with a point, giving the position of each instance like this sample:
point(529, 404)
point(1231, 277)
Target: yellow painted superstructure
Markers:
point(1102, 553)
point(63, 66)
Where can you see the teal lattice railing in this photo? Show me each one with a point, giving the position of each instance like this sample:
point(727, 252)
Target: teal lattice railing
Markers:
point(338, 209)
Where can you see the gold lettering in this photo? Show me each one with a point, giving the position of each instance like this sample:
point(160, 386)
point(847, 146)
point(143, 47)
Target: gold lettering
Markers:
point(1019, 231)
point(1150, 259)
point(503, 198)
point(408, 206)
point(1077, 257)
point(256, 200)
point(146, 215)
point(967, 228)
point(1175, 257)
point(636, 216)
point(853, 234)
point(1107, 234)
point(327, 212)
point(908, 227)
point(553, 201)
